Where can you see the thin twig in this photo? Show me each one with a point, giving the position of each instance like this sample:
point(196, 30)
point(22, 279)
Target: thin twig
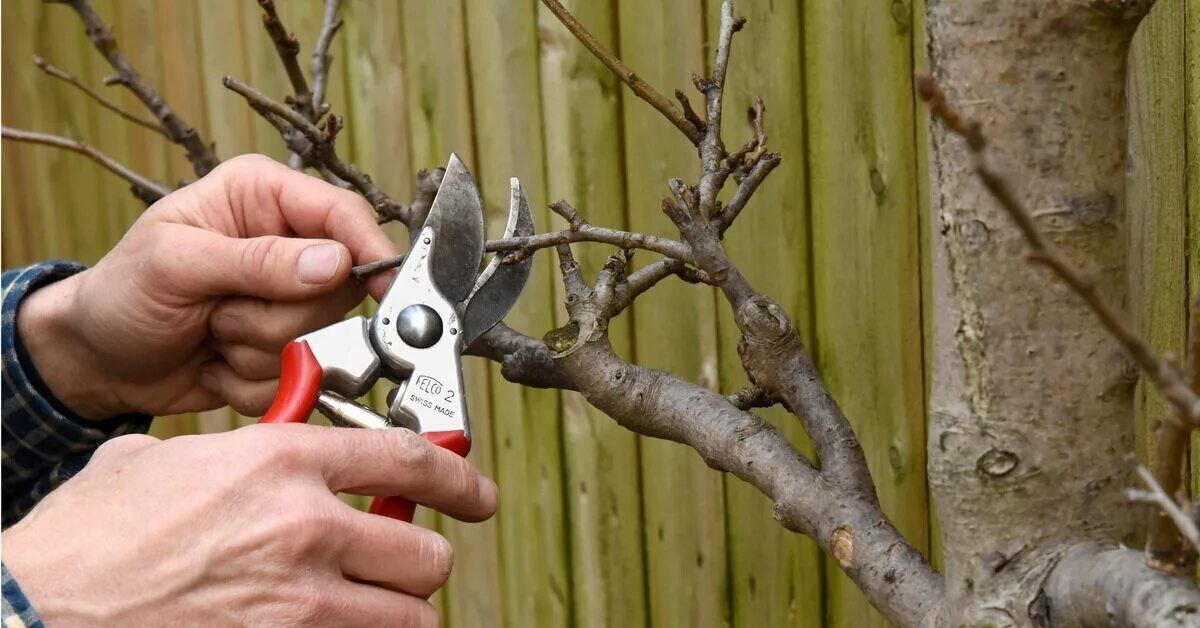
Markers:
point(146, 189)
point(288, 49)
point(1168, 379)
point(527, 245)
point(199, 152)
point(362, 271)
point(322, 152)
point(1158, 497)
point(746, 189)
point(321, 59)
point(712, 147)
point(71, 79)
point(641, 88)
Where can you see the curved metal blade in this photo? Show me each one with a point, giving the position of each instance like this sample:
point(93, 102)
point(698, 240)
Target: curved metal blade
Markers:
point(499, 284)
point(457, 218)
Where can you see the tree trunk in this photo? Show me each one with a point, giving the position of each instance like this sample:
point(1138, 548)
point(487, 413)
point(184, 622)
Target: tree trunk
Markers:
point(1031, 401)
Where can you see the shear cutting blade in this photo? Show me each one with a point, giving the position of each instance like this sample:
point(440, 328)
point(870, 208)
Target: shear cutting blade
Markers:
point(499, 285)
point(457, 218)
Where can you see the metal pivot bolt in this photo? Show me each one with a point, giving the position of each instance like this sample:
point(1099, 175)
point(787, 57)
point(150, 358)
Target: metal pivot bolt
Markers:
point(419, 326)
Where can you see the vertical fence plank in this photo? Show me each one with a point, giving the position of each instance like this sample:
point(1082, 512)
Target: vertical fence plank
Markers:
point(1155, 194)
point(1192, 131)
point(866, 256)
point(776, 574)
point(439, 111)
point(583, 150)
point(1192, 126)
point(502, 40)
point(223, 51)
point(674, 329)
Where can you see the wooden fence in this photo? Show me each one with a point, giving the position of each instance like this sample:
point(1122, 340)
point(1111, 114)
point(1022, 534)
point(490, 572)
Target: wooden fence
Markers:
point(599, 527)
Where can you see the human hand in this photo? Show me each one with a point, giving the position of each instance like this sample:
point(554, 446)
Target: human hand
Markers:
point(244, 528)
point(191, 308)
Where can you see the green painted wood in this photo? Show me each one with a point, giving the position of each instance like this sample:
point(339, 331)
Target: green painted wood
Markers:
point(1155, 194)
point(776, 575)
point(581, 100)
point(502, 40)
point(866, 255)
point(675, 329)
point(1192, 130)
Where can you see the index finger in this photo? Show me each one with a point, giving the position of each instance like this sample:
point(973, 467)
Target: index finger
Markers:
point(270, 197)
point(397, 462)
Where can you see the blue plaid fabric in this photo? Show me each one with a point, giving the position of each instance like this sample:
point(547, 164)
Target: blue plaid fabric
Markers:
point(17, 611)
point(43, 442)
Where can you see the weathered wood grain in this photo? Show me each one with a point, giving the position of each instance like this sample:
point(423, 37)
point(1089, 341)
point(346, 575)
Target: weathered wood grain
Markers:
point(1156, 195)
point(866, 255)
point(581, 118)
point(675, 328)
point(502, 40)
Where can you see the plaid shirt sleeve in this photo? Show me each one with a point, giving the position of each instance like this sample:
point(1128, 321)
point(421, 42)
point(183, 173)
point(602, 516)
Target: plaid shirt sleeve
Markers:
point(43, 442)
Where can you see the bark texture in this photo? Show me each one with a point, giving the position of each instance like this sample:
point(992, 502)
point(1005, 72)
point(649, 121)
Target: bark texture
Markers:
point(1031, 400)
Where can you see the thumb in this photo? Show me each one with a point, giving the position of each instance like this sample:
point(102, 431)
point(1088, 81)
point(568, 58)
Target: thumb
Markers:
point(268, 267)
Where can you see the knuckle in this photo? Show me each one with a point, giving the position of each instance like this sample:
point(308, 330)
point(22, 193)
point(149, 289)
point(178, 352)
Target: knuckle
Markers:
point(241, 165)
point(121, 445)
point(275, 447)
point(301, 532)
point(312, 606)
point(413, 452)
point(261, 255)
point(248, 403)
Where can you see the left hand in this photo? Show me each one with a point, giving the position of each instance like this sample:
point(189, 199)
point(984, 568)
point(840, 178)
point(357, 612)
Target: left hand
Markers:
point(190, 310)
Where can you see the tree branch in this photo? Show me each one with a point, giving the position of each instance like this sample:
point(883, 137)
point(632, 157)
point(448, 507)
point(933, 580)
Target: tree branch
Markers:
point(639, 87)
point(320, 149)
point(581, 231)
point(96, 96)
point(199, 153)
point(321, 59)
point(1158, 496)
point(144, 188)
point(288, 49)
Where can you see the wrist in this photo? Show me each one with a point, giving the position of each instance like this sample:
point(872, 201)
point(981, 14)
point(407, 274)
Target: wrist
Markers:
point(59, 351)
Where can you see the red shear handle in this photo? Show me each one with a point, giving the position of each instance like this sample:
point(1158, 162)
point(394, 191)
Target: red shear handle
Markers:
point(299, 385)
point(402, 509)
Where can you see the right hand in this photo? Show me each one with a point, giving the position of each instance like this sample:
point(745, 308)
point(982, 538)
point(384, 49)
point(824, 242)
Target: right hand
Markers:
point(244, 528)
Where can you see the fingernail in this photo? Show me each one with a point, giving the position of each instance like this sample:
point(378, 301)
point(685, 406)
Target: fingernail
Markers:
point(318, 263)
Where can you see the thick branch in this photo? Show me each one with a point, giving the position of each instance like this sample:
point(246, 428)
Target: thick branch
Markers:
point(96, 96)
point(199, 153)
point(1094, 585)
point(641, 88)
point(146, 189)
point(1168, 379)
point(851, 529)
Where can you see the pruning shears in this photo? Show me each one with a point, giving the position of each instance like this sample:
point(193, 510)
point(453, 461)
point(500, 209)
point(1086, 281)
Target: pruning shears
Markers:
point(438, 303)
